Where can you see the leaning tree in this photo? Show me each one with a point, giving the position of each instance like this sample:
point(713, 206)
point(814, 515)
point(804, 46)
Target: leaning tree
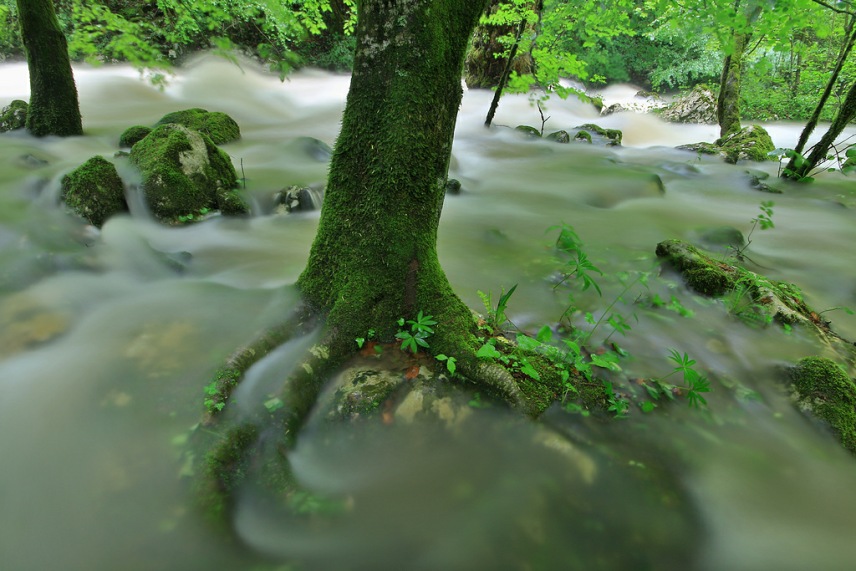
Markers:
point(53, 106)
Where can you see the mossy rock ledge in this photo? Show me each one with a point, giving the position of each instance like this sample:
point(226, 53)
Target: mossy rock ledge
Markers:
point(219, 127)
point(822, 389)
point(14, 116)
point(185, 173)
point(94, 191)
point(776, 301)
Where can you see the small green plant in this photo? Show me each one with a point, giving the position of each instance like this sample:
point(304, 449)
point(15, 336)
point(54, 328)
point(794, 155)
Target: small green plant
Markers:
point(192, 216)
point(785, 156)
point(764, 221)
point(211, 404)
point(694, 382)
point(495, 316)
point(450, 363)
point(420, 329)
point(370, 334)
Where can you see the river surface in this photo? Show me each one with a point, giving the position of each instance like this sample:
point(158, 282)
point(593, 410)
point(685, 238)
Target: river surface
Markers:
point(108, 338)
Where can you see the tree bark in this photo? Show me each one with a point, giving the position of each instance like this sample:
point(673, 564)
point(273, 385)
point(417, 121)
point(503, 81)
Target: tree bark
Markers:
point(374, 258)
point(53, 107)
point(728, 102)
point(815, 116)
point(818, 154)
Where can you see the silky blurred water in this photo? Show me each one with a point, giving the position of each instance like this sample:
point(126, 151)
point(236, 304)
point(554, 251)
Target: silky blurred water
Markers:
point(108, 338)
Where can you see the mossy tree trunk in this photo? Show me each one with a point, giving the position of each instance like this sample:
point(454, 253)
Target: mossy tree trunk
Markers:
point(845, 114)
point(374, 258)
point(824, 97)
point(728, 102)
point(53, 107)
point(484, 68)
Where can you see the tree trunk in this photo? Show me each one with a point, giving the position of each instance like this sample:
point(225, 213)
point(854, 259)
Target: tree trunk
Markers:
point(374, 258)
point(815, 116)
point(53, 107)
point(819, 151)
point(728, 102)
point(483, 68)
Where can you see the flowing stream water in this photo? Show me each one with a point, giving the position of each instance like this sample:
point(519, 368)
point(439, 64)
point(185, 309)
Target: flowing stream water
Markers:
point(108, 338)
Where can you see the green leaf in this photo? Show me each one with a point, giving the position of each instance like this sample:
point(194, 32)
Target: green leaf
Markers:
point(488, 351)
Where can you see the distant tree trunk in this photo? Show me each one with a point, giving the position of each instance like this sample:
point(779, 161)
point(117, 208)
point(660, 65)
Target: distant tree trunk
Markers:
point(818, 154)
point(728, 102)
point(374, 258)
point(824, 97)
point(506, 73)
point(53, 107)
point(484, 67)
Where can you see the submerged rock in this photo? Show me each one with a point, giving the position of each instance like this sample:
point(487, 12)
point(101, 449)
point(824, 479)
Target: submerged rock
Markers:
point(600, 136)
point(297, 199)
point(184, 173)
point(559, 137)
point(528, 131)
point(822, 389)
point(94, 191)
point(219, 127)
point(14, 116)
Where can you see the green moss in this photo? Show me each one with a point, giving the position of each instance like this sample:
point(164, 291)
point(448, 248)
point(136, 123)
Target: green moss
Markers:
point(219, 127)
point(94, 191)
point(528, 131)
point(14, 116)
point(226, 468)
point(132, 135)
point(583, 136)
point(749, 143)
point(184, 173)
point(824, 390)
point(559, 137)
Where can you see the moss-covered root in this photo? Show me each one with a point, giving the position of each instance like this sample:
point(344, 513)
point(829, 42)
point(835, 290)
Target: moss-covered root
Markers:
point(227, 378)
point(823, 389)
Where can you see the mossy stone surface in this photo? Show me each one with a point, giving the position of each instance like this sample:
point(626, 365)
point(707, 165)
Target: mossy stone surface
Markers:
point(529, 131)
point(14, 116)
point(751, 143)
point(184, 172)
point(219, 127)
point(133, 135)
point(94, 191)
point(825, 391)
point(559, 137)
point(599, 135)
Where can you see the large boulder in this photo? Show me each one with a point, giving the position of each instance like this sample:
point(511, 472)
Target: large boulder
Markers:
point(697, 106)
point(184, 173)
point(751, 143)
point(218, 126)
point(14, 116)
point(94, 191)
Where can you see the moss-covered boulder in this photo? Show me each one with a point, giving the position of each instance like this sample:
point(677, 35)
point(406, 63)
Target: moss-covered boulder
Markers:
point(823, 389)
point(14, 116)
point(185, 173)
point(583, 136)
point(751, 143)
point(601, 136)
point(94, 191)
point(528, 131)
point(133, 135)
point(219, 127)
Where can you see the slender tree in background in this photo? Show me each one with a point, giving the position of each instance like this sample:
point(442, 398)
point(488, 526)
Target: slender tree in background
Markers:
point(728, 101)
point(53, 107)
